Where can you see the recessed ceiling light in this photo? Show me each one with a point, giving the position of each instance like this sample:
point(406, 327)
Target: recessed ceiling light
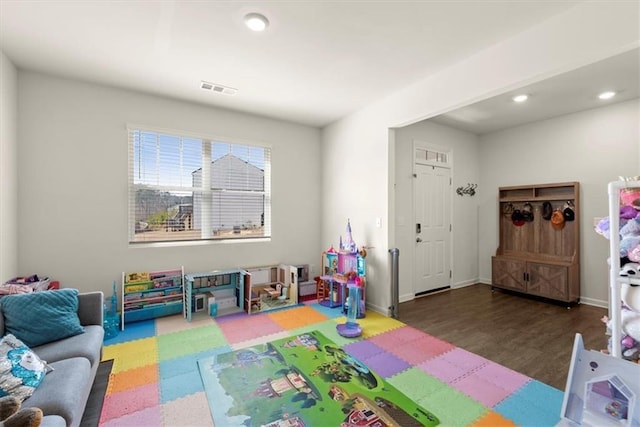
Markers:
point(607, 95)
point(520, 98)
point(256, 21)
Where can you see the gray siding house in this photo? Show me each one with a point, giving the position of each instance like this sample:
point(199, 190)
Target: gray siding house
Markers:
point(237, 200)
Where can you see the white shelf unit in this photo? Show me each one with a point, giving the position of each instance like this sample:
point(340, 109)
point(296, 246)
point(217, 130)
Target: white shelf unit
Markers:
point(227, 286)
point(150, 294)
point(615, 281)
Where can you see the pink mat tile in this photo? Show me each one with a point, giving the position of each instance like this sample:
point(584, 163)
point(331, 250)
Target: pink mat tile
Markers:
point(415, 352)
point(407, 333)
point(477, 388)
point(442, 369)
point(504, 377)
point(146, 417)
point(464, 359)
point(387, 340)
point(133, 400)
point(249, 328)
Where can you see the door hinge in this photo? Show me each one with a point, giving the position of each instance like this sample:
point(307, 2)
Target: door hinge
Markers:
point(449, 228)
point(450, 274)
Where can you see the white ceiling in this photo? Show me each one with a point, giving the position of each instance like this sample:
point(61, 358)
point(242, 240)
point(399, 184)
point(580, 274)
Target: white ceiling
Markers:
point(317, 62)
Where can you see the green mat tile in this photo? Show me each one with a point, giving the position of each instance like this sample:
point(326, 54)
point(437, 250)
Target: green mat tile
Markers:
point(189, 341)
point(452, 407)
point(416, 384)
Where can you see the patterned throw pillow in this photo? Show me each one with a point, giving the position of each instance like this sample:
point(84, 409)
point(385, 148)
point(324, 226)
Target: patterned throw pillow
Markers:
point(21, 370)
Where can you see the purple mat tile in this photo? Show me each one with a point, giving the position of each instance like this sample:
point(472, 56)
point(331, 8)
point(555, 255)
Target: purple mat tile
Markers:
point(386, 364)
point(504, 377)
point(362, 349)
point(482, 391)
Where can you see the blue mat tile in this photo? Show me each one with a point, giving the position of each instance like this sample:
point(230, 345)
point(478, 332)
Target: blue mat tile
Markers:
point(134, 331)
point(331, 313)
point(534, 404)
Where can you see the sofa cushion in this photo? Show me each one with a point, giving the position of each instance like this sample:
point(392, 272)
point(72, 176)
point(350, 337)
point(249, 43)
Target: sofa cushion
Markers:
point(21, 370)
point(65, 390)
point(42, 317)
point(87, 345)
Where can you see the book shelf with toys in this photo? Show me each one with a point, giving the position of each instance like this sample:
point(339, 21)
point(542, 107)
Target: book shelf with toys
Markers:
point(151, 294)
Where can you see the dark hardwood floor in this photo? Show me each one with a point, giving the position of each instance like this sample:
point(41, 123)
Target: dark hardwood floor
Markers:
point(528, 335)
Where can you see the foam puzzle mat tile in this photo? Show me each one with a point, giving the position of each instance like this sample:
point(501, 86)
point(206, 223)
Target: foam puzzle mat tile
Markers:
point(330, 313)
point(493, 419)
point(177, 323)
point(362, 349)
point(192, 410)
point(146, 417)
point(134, 331)
point(415, 383)
point(386, 364)
point(500, 375)
point(452, 407)
point(181, 385)
point(195, 340)
point(133, 378)
point(136, 399)
point(297, 317)
point(534, 404)
point(442, 369)
point(480, 390)
point(132, 354)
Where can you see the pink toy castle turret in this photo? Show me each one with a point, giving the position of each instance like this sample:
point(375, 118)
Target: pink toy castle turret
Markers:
point(348, 245)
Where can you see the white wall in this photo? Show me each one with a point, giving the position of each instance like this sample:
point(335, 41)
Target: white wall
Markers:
point(72, 159)
point(592, 147)
point(464, 236)
point(8, 170)
point(584, 34)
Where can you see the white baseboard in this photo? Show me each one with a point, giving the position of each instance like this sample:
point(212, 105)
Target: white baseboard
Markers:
point(594, 302)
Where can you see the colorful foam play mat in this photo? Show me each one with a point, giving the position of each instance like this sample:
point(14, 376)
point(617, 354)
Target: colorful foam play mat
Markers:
point(292, 368)
point(303, 380)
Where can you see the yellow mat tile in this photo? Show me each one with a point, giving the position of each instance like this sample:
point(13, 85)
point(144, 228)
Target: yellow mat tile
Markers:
point(131, 355)
point(375, 324)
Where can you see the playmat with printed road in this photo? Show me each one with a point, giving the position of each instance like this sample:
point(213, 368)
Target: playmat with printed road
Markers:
point(303, 380)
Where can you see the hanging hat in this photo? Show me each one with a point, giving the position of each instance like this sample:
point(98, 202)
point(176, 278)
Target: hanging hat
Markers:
point(518, 218)
point(568, 213)
point(527, 212)
point(547, 210)
point(557, 219)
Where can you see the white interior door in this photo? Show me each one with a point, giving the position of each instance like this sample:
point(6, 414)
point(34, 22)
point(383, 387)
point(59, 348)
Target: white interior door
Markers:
point(432, 196)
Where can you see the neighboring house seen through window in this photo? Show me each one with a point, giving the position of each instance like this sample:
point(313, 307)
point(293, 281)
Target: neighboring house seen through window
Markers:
point(183, 188)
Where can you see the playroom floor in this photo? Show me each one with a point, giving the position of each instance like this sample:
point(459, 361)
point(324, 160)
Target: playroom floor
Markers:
point(527, 335)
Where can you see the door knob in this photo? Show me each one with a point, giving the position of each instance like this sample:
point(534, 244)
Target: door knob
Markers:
point(418, 239)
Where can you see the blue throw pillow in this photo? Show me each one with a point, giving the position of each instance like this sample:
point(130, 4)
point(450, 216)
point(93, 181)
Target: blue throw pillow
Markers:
point(41, 317)
point(21, 370)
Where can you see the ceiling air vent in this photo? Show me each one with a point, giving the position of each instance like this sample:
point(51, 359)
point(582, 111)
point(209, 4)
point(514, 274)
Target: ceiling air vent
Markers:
point(214, 87)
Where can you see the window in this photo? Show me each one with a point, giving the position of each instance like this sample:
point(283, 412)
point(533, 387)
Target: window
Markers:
point(183, 188)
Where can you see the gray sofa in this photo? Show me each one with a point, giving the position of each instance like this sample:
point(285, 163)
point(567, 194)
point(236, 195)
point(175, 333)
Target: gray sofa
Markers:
point(62, 395)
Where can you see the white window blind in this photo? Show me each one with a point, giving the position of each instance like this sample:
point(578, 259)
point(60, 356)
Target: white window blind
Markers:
point(184, 188)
